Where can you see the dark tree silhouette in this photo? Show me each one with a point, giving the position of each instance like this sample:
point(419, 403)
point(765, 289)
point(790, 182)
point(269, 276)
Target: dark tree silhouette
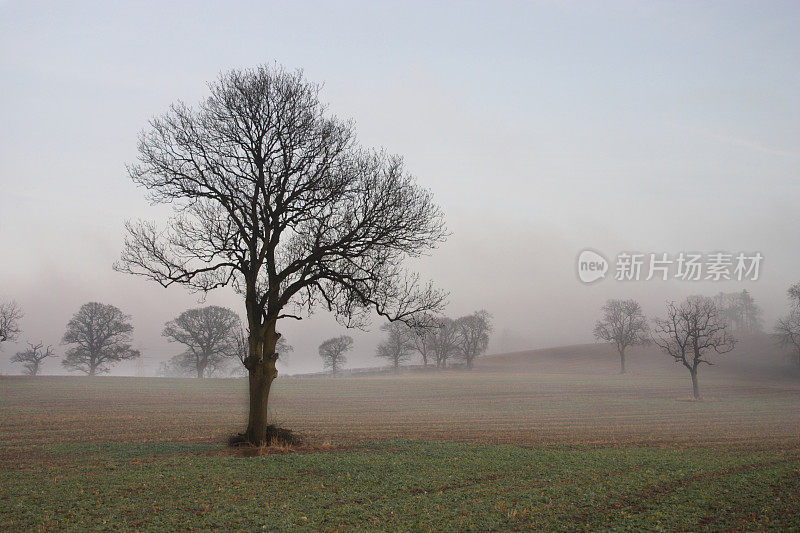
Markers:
point(277, 199)
point(32, 358)
point(692, 331)
point(10, 315)
point(209, 334)
point(472, 338)
point(398, 345)
point(623, 324)
point(332, 352)
point(99, 335)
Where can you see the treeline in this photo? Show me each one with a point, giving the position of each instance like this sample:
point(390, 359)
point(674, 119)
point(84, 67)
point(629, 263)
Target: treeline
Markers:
point(99, 336)
point(436, 340)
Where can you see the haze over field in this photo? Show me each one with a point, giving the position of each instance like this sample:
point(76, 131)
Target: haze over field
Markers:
point(541, 129)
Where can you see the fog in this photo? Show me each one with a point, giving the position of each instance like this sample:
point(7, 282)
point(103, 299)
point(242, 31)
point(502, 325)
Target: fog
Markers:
point(541, 129)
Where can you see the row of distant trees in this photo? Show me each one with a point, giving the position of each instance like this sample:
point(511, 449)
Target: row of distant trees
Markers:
point(696, 328)
point(99, 336)
point(436, 340)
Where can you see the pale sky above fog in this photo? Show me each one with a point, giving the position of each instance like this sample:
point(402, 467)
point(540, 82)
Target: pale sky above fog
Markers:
point(542, 129)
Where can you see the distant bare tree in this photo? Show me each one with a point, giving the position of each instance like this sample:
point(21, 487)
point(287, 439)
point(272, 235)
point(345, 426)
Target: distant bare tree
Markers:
point(10, 315)
point(472, 337)
point(99, 335)
point(794, 294)
point(398, 345)
point(740, 311)
point(445, 340)
point(332, 352)
point(32, 358)
point(168, 369)
point(282, 349)
point(423, 338)
point(788, 331)
point(623, 324)
point(209, 334)
point(690, 332)
point(276, 198)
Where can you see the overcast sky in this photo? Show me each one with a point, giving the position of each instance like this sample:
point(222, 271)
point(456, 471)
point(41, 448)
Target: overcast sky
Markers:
point(542, 128)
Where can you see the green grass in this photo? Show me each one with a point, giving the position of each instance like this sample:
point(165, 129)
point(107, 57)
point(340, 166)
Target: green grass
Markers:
point(476, 452)
point(404, 485)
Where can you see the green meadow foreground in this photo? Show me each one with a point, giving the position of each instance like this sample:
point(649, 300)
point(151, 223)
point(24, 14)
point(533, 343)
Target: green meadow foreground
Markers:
point(503, 447)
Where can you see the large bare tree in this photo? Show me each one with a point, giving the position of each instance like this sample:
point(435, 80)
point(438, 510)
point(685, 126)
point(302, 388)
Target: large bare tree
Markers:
point(275, 197)
point(472, 337)
point(332, 352)
point(10, 315)
point(209, 334)
point(397, 346)
point(32, 358)
point(99, 335)
point(624, 325)
point(691, 332)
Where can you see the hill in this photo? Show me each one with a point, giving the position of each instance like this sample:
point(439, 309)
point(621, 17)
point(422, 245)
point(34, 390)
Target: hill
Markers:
point(757, 357)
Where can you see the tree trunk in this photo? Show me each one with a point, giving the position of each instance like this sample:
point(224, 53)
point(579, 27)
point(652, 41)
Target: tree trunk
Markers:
point(622, 361)
point(261, 373)
point(695, 385)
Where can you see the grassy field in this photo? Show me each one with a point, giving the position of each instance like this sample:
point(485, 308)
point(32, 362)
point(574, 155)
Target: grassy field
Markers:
point(443, 450)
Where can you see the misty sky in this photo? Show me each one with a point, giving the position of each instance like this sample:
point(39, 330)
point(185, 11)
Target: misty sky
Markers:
point(542, 128)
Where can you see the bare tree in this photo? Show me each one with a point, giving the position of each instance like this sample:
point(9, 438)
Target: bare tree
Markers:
point(788, 331)
point(690, 332)
point(277, 199)
point(32, 358)
point(445, 340)
point(99, 335)
point(794, 294)
point(10, 315)
point(332, 352)
point(473, 335)
point(168, 369)
point(398, 345)
point(623, 324)
point(209, 334)
point(423, 338)
point(740, 311)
